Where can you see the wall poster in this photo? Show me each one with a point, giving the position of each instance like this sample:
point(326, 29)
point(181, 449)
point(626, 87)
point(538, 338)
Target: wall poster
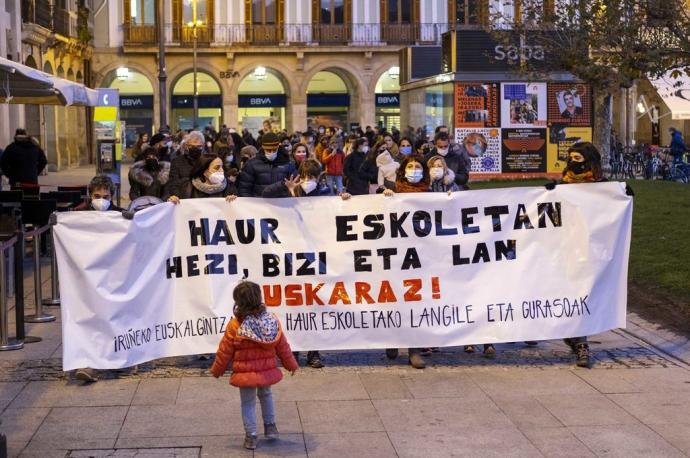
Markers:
point(476, 105)
point(570, 103)
point(484, 146)
point(523, 150)
point(523, 105)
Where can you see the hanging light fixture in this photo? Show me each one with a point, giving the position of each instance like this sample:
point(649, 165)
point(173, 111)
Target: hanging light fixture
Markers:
point(394, 72)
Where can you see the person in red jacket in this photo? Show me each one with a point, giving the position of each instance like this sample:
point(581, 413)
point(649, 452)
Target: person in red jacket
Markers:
point(250, 344)
point(333, 160)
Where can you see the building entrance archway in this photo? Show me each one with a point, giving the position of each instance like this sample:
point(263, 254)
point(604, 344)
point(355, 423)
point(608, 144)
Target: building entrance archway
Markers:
point(210, 102)
point(262, 95)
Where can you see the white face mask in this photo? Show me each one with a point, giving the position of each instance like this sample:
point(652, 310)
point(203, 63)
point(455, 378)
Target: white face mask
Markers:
point(308, 186)
point(272, 156)
point(436, 173)
point(442, 151)
point(216, 177)
point(364, 149)
point(414, 176)
point(100, 204)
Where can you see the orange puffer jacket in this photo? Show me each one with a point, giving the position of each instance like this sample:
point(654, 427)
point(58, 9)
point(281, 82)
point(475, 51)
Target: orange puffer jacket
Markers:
point(251, 347)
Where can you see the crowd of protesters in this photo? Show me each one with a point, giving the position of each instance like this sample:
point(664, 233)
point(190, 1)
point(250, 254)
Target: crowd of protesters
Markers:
point(327, 161)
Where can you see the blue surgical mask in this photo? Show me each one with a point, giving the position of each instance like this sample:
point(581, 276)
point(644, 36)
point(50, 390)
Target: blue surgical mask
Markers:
point(406, 150)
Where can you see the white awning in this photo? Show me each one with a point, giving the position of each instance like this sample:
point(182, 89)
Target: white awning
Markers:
point(675, 92)
point(22, 84)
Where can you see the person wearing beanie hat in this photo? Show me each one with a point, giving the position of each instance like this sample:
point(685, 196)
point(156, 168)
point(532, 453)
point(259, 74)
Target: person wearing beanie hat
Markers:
point(271, 165)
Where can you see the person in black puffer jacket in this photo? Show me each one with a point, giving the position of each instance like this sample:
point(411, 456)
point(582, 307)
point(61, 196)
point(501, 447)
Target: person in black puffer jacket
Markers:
point(271, 165)
point(23, 160)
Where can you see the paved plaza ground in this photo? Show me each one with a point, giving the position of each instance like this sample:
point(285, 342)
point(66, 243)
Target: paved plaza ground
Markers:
point(528, 401)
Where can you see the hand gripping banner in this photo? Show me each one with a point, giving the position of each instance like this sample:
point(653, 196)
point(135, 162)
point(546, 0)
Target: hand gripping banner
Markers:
point(411, 270)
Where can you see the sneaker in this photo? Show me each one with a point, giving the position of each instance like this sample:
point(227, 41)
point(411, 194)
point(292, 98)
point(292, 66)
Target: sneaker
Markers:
point(469, 348)
point(417, 361)
point(582, 352)
point(86, 375)
point(250, 441)
point(271, 431)
point(391, 353)
point(314, 360)
point(489, 351)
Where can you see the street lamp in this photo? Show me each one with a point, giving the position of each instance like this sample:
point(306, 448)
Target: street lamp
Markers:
point(194, 25)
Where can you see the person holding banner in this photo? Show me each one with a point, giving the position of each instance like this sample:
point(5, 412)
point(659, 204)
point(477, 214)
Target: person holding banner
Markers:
point(303, 185)
point(412, 176)
point(250, 344)
point(101, 190)
point(583, 166)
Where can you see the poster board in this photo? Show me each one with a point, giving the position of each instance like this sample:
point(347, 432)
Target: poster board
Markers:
point(523, 150)
point(486, 144)
point(523, 105)
point(476, 105)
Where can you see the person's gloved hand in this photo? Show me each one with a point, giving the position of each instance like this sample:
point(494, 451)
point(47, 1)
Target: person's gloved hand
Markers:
point(551, 185)
point(629, 191)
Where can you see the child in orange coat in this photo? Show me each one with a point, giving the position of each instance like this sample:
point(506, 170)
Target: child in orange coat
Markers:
point(251, 341)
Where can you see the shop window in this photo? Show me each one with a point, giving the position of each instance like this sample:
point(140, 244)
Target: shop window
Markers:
point(528, 11)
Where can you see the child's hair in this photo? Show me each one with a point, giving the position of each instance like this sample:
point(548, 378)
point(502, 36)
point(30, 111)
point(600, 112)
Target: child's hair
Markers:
point(247, 296)
point(310, 168)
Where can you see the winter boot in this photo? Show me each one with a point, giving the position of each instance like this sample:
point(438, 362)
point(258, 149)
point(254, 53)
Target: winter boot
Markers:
point(391, 353)
point(489, 351)
point(250, 441)
point(314, 360)
point(271, 431)
point(582, 353)
point(416, 360)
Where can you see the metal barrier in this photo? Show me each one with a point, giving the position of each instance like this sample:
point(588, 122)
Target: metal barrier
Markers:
point(6, 343)
point(39, 316)
point(54, 285)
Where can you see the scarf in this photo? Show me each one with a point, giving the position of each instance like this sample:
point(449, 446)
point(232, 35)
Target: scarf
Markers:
point(208, 188)
point(571, 177)
point(406, 186)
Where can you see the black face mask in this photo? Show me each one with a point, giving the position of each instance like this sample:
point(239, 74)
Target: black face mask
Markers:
point(151, 164)
point(578, 167)
point(194, 152)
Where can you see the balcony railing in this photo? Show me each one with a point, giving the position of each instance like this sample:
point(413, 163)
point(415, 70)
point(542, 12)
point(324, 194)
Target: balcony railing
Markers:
point(37, 12)
point(288, 34)
point(140, 34)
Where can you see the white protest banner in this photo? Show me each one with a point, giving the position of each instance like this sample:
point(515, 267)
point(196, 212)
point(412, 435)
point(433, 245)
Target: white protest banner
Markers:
point(411, 270)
